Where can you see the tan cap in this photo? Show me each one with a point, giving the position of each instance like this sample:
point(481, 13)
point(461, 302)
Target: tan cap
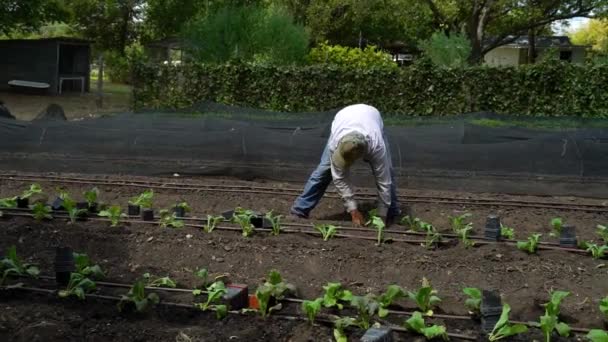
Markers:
point(350, 148)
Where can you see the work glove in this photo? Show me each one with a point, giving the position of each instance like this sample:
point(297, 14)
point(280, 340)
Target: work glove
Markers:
point(357, 218)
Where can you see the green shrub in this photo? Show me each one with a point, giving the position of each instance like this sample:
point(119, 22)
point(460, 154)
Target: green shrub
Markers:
point(369, 57)
point(119, 67)
point(447, 51)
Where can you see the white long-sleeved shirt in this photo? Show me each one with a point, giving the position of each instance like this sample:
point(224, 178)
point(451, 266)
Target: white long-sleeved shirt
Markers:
point(367, 121)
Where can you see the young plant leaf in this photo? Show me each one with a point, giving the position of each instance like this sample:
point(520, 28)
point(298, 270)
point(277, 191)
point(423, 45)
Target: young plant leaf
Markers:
point(425, 297)
point(417, 325)
point(604, 306)
point(91, 196)
point(334, 294)
point(473, 303)
point(212, 222)
point(312, 308)
point(597, 335)
point(602, 231)
point(557, 224)
point(114, 214)
point(243, 218)
point(507, 232)
point(78, 286)
point(503, 328)
point(366, 306)
point(33, 190)
point(41, 212)
point(531, 245)
point(275, 221)
point(392, 294)
point(340, 325)
point(169, 219)
point(327, 231)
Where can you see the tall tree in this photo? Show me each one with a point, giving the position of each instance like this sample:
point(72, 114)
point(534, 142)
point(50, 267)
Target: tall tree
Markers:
point(594, 34)
point(22, 16)
point(492, 23)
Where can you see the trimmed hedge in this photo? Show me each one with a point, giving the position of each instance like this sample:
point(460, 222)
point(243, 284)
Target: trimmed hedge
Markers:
point(558, 89)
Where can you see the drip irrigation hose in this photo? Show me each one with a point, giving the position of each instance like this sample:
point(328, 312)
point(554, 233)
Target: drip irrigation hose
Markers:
point(294, 192)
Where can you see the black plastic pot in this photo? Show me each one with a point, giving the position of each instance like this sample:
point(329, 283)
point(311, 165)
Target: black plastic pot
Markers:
point(179, 211)
point(147, 214)
point(23, 203)
point(236, 297)
point(492, 229)
point(491, 308)
point(57, 204)
point(93, 208)
point(133, 210)
point(82, 205)
point(64, 265)
point(568, 236)
point(227, 215)
point(378, 335)
point(260, 221)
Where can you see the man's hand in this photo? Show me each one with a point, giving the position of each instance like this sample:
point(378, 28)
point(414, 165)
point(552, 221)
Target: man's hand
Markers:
point(357, 218)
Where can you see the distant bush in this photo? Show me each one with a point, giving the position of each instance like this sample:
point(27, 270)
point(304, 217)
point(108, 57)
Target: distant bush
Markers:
point(450, 52)
point(118, 67)
point(370, 57)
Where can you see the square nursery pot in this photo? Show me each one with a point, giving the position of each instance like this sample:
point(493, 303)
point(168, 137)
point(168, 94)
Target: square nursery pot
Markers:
point(64, 265)
point(491, 308)
point(179, 211)
point(57, 204)
point(258, 220)
point(378, 335)
point(492, 229)
point(133, 210)
point(568, 237)
point(147, 214)
point(82, 206)
point(23, 203)
point(236, 297)
point(93, 208)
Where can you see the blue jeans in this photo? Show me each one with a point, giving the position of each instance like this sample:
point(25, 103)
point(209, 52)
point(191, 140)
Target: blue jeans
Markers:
point(320, 179)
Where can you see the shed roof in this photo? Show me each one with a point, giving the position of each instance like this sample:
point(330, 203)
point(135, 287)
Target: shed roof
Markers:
point(70, 40)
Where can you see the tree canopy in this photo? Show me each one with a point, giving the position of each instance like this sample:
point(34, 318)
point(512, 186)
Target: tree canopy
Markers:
point(18, 16)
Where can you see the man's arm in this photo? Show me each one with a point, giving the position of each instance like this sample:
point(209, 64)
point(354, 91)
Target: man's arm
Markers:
point(381, 167)
point(342, 183)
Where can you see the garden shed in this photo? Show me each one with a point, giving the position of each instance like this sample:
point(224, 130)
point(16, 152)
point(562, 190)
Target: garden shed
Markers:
point(49, 65)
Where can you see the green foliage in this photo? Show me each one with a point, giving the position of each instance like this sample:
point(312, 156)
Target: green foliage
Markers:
point(340, 324)
point(114, 214)
point(152, 281)
point(78, 286)
point(550, 320)
point(85, 267)
point(597, 335)
point(425, 297)
point(559, 89)
point(602, 231)
point(379, 225)
point(275, 221)
point(531, 245)
point(432, 238)
point(275, 288)
point(118, 66)
point(243, 218)
point(366, 307)
point(557, 224)
point(169, 219)
point(41, 212)
point(312, 308)
point(473, 303)
point(144, 199)
point(8, 203)
point(507, 232)
point(342, 56)
point(29, 16)
point(212, 222)
point(597, 252)
point(604, 306)
point(412, 223)
point(334, 294)
point(12, 265)
point(215, 292)
point(327, 230)
point(462, 229)
point(91, 196)
point(247, 33)
point(503, 328)
point(33, 190)
point(184, 205)
point(392, 294)
point(202, 274)
point(417, 325)
point(70, 206)
point(447, 51)
point(137, 297)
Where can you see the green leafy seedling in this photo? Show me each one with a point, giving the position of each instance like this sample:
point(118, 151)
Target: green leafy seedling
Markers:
point(604, 306)
point(334, 294)
point(8, 203)
point(388, 298)
point(85, 267)
point(531, 245)
point(184, 205)
point(417, 325)
point(597, 335)
point(169, 219)
point(504, 328)
point(137, 296)
point(458, 222)
point(340, 325)
point(212, 223)
point(367, 306)
point(425, 298)
point(411, 223)
point(91, 196)
point(473, 303)
point(312, 308)
point(78, 286)
point(202, 274)
point(556, 223)
point(159, 281)
point(597, 252)
point(144, 199)
point(114, 214)
point(33, 190)
point(327, 231)
point(41, 212)
point(602, 232)
point(243, 218)
point(379, 225)
point(12, 265)
point(432, 238)
point(275, 288)
point(550, 320)
point(215, 292)
point(70, 206)
point(275, 221)
point(507, 232)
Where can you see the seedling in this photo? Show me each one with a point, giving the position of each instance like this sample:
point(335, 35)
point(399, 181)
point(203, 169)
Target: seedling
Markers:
point(137, 296)
point(531, 245)
point(243, 218)
point(597, 252)
point(169, 219)
point(78, 286)
point(432, 238)
point(473, 303)
point(183, 205)
point(158, 282)
point(41, 212)
point(33, 190)
point(202, 274)
point(379, 225)
point(550, 320)
point(8, 203)
point(597, 335)
point(417, 325)
point(70, 206)
point(458, 223)
point(275, 221)
point(340, 325)
point(144, 199)
point(91, 197)
point(425, 297)
point(334, 294)
point(392, 294)
point(114, 214)
point(602, 231)
point(84, 266)
point(507, 232)
point(411, 222)
point(212, 222)
point(11, 202)
point(604, 306)
point(327, 231)
point(215, 292)
point(556, 223)
point(366, 306)
point(463, 234)
point(275, 288)
point(12, 265)
point(312, 308)
point(504, 328)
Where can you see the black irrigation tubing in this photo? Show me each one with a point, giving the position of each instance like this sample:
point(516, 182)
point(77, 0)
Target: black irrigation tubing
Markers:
point(293, 191)
point(312, 232)
point(127, 286)
point(189, 306)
